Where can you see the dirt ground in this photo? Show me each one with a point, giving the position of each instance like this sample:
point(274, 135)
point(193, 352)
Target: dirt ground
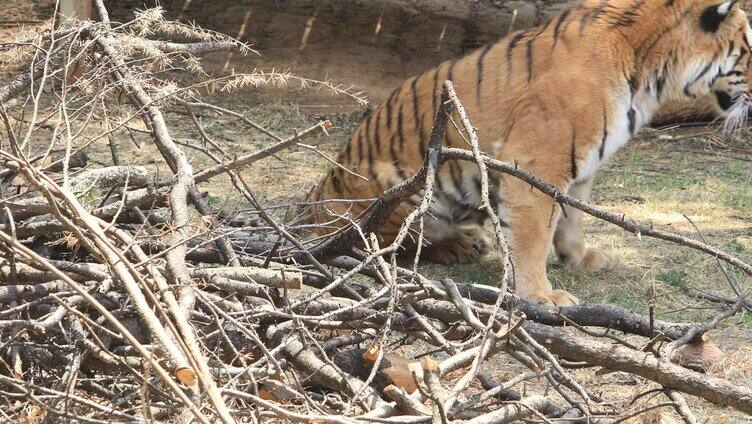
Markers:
point(662, 177)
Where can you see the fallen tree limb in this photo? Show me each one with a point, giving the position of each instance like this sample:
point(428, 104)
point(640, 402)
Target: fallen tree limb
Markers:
point(645, 364)
point(589, 315)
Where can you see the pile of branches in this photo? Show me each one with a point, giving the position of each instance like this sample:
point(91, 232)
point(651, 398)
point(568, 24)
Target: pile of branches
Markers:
point(127, 297)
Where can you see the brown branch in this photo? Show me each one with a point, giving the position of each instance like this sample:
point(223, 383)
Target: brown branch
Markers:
point(681, 406)
point(200, 47)
point(588, 315)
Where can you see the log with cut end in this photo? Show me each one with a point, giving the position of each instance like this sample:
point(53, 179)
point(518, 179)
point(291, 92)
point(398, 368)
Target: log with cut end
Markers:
point(698, 355)
point(404, 372)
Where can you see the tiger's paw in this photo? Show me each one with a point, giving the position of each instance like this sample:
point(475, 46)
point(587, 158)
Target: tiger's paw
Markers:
point(460, 250)
point(591, 260)
point(596, 260)
point(553, 298)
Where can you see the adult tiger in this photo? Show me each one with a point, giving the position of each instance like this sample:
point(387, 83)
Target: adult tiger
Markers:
point(559, 100)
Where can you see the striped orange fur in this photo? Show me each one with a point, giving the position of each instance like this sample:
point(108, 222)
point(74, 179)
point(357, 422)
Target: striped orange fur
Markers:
point(559, 100)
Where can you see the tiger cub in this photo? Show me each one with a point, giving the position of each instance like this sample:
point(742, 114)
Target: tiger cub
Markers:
point(559, 100)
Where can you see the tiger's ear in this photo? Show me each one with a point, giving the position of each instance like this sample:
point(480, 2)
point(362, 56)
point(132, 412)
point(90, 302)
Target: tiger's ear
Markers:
point(712, 17)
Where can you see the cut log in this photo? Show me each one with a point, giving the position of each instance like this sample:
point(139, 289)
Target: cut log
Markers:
point(401, 371)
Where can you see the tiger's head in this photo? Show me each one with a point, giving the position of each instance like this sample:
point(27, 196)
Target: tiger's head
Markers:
point(703, 49)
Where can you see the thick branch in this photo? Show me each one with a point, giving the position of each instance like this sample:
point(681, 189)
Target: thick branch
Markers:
point(645, 364)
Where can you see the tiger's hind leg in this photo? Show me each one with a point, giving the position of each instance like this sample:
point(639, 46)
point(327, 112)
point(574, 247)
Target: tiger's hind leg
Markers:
point(466, 244)
point(568, 238)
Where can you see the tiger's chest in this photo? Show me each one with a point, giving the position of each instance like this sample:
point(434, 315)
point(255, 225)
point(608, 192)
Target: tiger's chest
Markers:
point(628, 112)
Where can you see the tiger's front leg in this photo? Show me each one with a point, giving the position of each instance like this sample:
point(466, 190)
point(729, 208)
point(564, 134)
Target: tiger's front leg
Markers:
point(531, 217)
point(568, 238)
